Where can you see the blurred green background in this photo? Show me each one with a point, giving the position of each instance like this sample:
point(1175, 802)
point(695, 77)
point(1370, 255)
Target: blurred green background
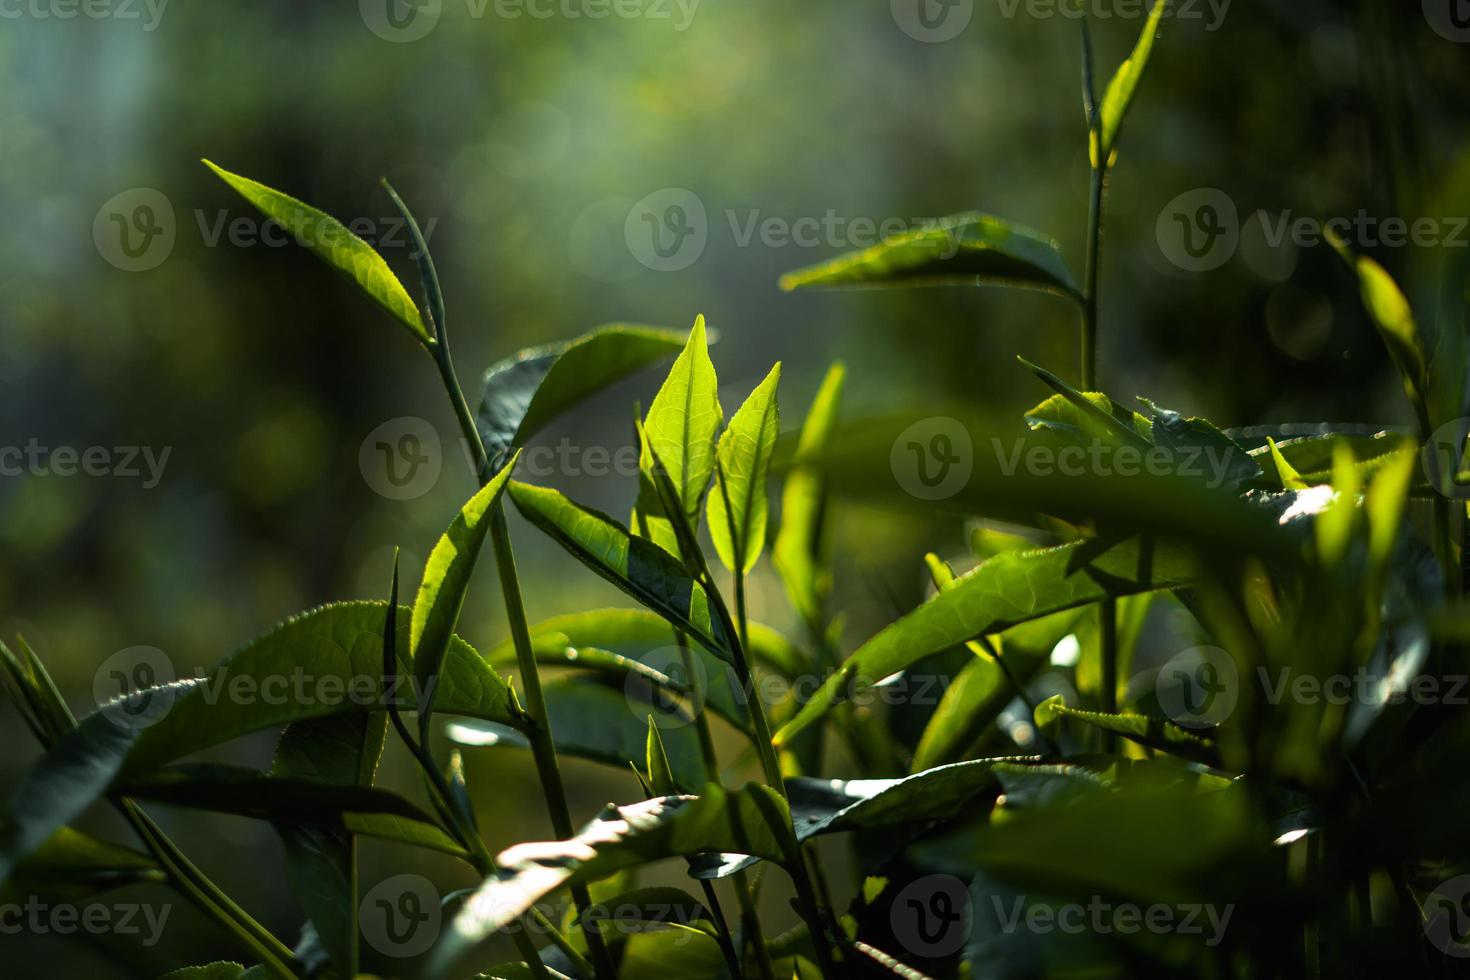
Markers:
point(524, 143)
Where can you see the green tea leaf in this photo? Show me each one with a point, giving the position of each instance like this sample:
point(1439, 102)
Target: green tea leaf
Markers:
point(1156, 733)
point(753, 820)
point(71, 865)
point(969, 249)
point(830, 806)
point(524, 393)
point(446, 579)
point(1289, 478)
point(680, 432)
point(738, 506)
point(335, 652)
point(1394, 318)
point(330, 241)
point(799, 554)
point(642, 569)
point(981, 690)
point(1118, 98)
point(1005, 591)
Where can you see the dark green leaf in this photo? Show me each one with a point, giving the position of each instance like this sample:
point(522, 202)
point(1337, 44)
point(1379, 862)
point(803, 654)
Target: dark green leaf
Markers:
point(522, 394)
point(446, 579)
point(638, 567)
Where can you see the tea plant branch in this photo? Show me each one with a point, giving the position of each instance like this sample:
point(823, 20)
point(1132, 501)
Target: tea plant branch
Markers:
point(538, 728)
point(1108, 610)
point(698, 692)
point(812, 911)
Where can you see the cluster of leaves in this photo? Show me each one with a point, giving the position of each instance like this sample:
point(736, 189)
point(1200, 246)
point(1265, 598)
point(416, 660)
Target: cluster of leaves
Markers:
point(1325, 827)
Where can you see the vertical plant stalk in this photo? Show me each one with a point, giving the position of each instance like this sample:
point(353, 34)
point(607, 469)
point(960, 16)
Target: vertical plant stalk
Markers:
point(543, 749)
point(698, 693)
point(712, 767)
point(1108, 610)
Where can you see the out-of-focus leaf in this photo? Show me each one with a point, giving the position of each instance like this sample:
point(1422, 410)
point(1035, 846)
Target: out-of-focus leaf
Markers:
point(679, 432)
point(524, 393)
point(673, 952)
point(1003, 592)
point(71, 865)
point(74, 773)
point(330, 241)
point(753, 820)
point(1118, 98)
point(336, 653)
point(969, 249)
point(1312, 456)
point(446, 579)
point(737, 505)
point(603, 724)
point(638, 567)
point(1152, 843)
point(798, 554)
point(1156, 733)
point(1394, 318)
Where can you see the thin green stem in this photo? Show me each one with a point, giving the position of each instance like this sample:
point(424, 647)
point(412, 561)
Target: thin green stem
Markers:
point(771, 763)
point(1108, 611)
point(543, 748)
point(698, 694)
point(208, 896)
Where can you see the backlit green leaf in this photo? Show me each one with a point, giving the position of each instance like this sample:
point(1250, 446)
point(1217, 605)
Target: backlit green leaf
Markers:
point(799, 554)
point(330, 241)
point(1005, 591)
point(969, 249)
point(638, 567)
point(738, 505)
point(680, 429)
point(447, 578)
point(1118, 98)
